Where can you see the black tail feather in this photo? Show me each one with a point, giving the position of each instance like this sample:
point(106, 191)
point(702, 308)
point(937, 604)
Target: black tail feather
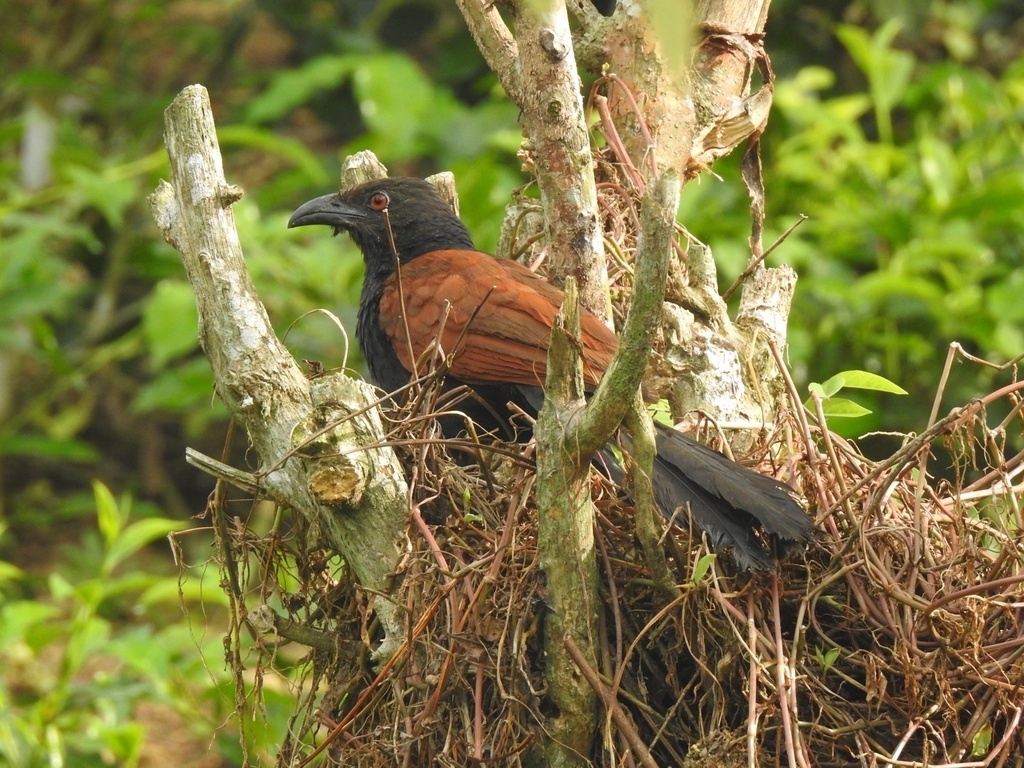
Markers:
point(728, 502)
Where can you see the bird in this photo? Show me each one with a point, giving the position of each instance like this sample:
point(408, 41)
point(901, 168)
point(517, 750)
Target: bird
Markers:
point(604, 7)
point(425, 282)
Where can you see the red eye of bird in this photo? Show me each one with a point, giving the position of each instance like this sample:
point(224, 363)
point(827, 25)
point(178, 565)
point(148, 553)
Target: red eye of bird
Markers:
point(379, 201)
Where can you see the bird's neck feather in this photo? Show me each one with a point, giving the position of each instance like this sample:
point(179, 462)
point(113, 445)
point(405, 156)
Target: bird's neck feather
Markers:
point(386, 370)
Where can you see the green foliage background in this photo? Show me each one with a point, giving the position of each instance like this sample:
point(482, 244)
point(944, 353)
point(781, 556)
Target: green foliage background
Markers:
point(897, 129)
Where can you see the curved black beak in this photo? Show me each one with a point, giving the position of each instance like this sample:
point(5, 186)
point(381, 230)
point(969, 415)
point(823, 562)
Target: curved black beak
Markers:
point(329, 210)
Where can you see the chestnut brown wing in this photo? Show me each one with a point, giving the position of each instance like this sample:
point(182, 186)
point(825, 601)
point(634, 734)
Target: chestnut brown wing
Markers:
point(509, 309)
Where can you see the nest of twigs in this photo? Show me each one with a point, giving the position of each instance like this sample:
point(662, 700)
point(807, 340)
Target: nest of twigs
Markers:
point(897, 639)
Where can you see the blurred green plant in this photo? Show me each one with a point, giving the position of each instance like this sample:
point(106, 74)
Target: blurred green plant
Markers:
point(98, 344)
point(75, 666)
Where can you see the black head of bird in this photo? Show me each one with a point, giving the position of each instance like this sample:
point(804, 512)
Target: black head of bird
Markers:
point(385, 217)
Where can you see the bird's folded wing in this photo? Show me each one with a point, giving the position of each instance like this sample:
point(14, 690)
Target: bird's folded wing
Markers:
point(509, 311)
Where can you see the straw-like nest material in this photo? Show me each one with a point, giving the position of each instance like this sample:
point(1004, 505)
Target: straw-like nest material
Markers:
point(897, 641)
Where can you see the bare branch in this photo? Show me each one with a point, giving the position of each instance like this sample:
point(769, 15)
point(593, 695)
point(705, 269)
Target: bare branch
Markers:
point(308, 436)
point(495, 43)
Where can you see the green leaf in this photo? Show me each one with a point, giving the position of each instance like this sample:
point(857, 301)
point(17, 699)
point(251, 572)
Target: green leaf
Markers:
point(294, 87)
point(829, 387)
point(138, 535)
point(170, 322)
point(123, 740)
point(179, 388)
point(20, 616)
point(1005, 298)
point(887, 69)
point(1008, 339)
point(101, 190)
point(9, 572)
point(816, 388)
point(701, 569)
point(661, 412)
point(937, 159)
point(60, 588)
point(982, 741)
point(399, 104)
point(108, 514)
point(273, 143)
point(88, 636)
point(827, 659)
point(40, 446)
point(856, 379)
point(838, 407)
